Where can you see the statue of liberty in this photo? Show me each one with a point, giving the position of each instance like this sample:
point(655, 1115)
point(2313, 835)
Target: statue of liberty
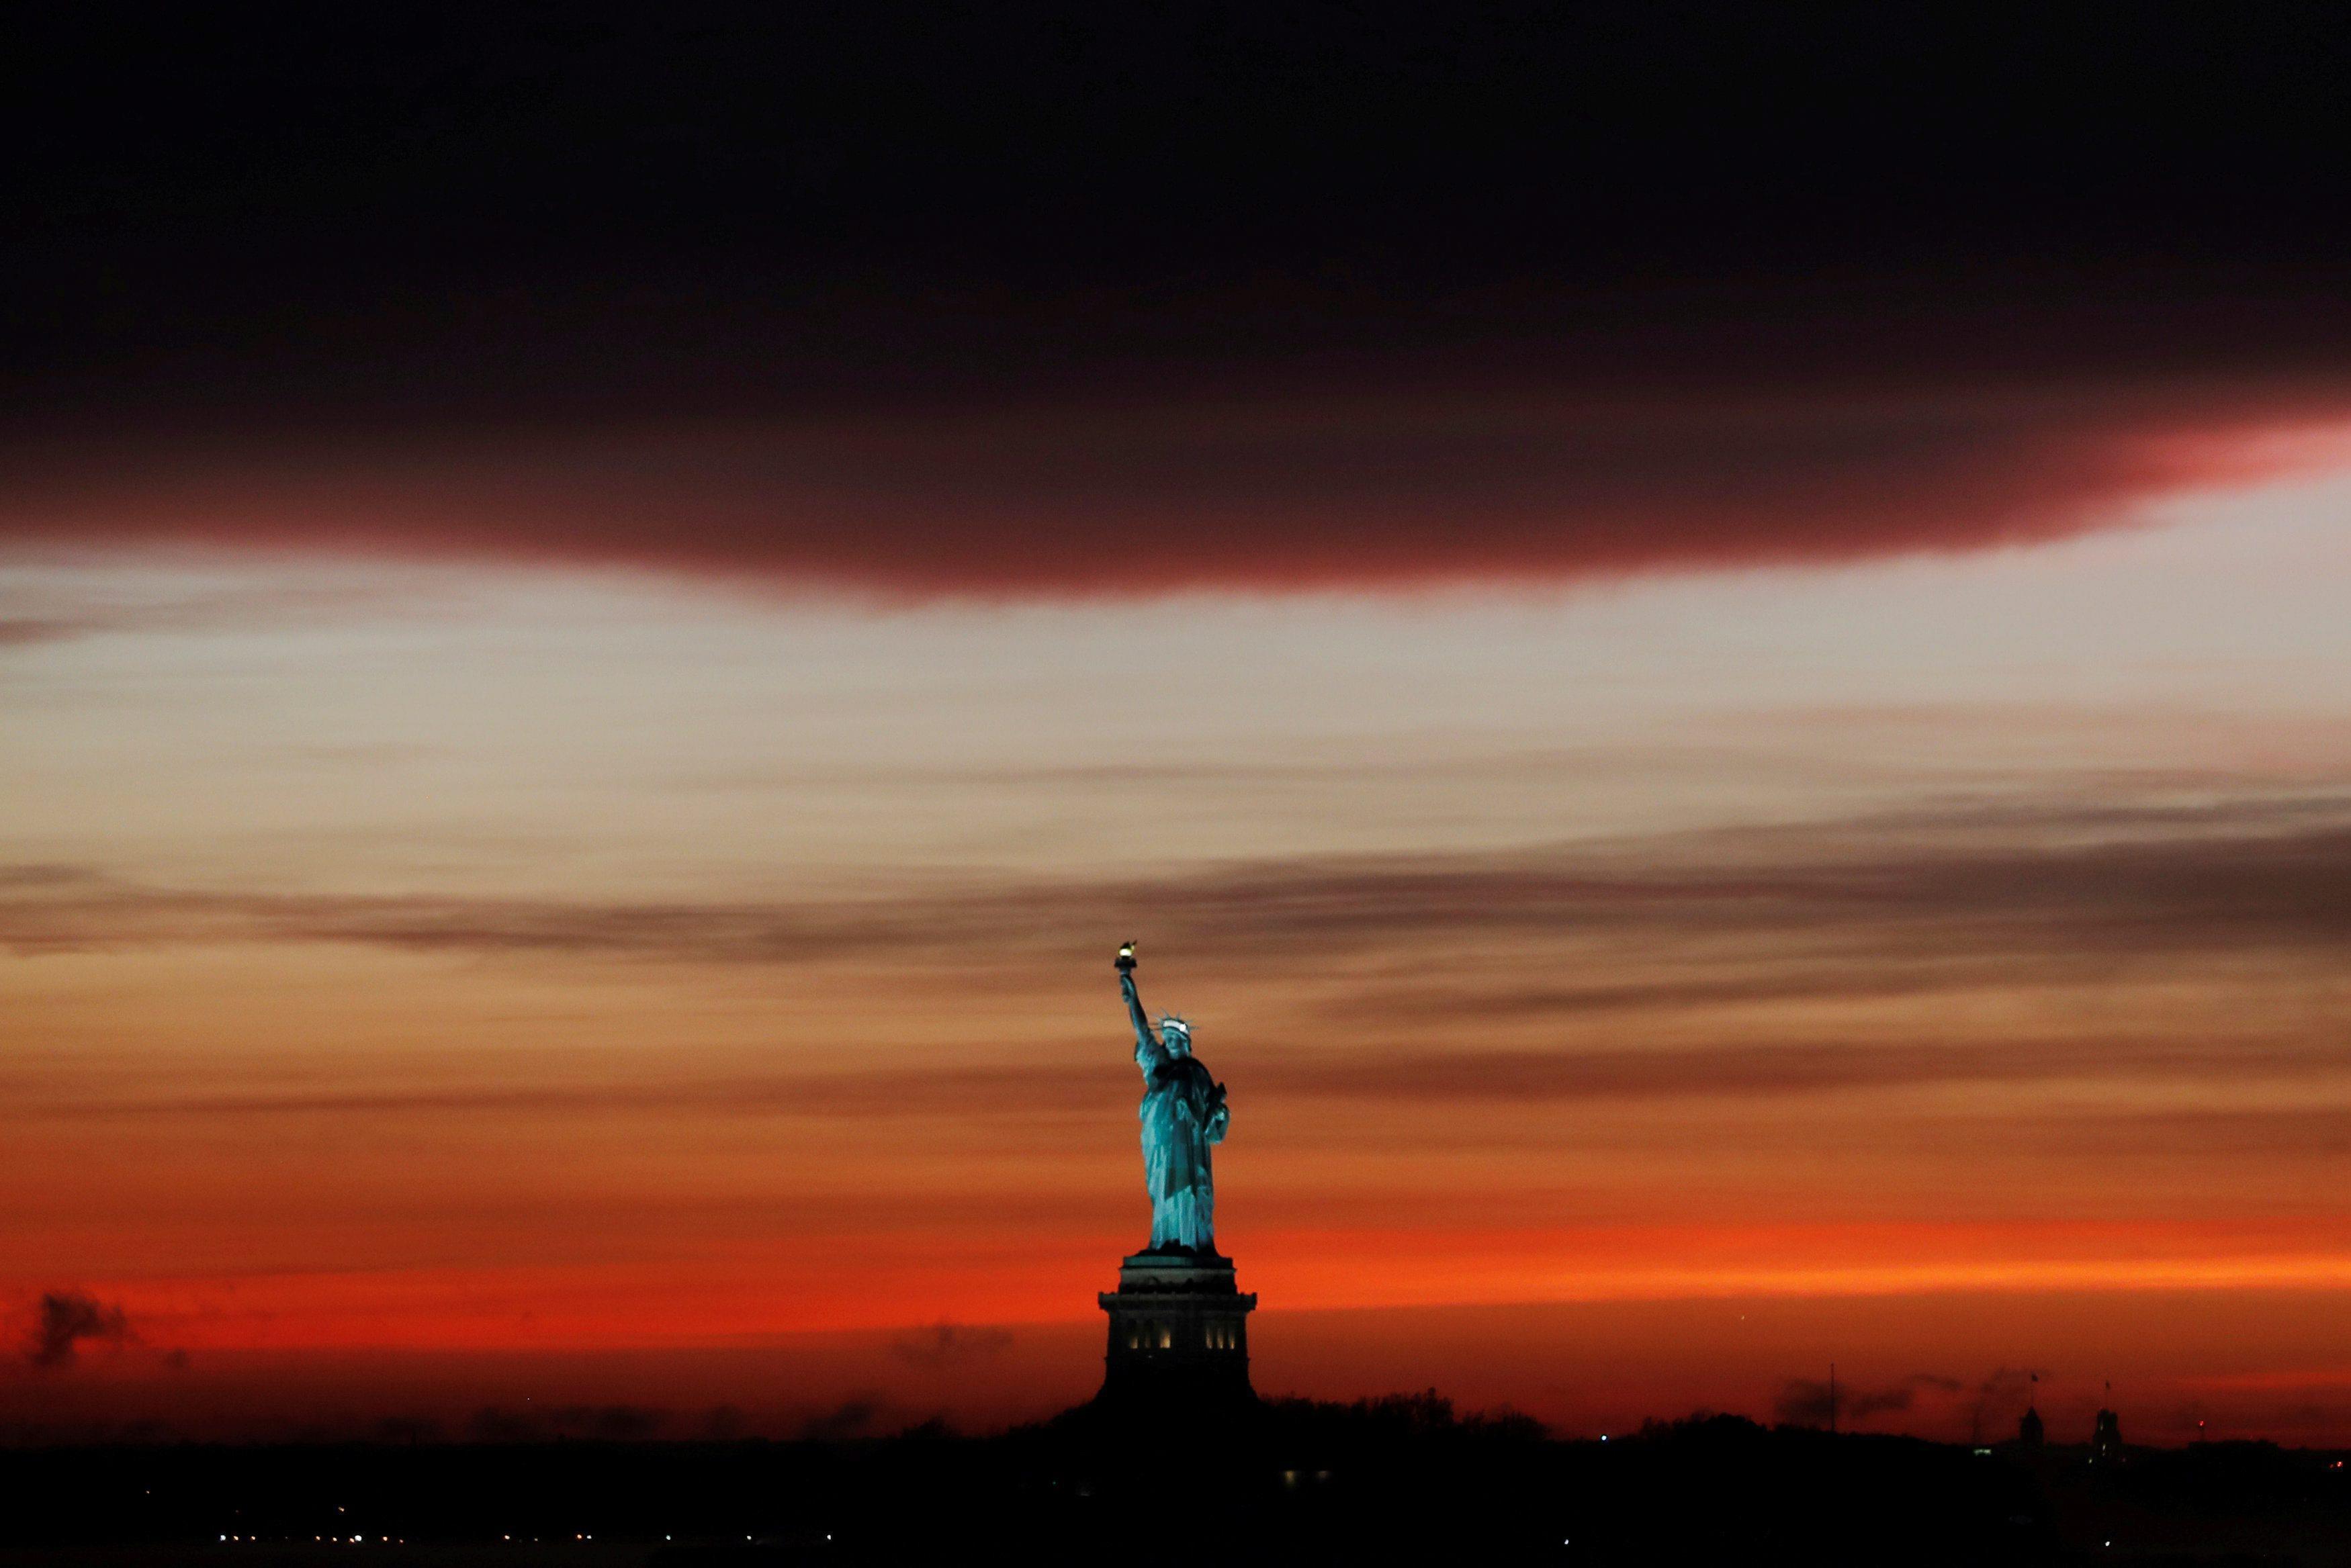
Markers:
point(1183, 1114)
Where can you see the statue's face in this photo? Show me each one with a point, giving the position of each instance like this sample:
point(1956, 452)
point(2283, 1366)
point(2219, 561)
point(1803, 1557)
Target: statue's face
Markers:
point(1178, 1041)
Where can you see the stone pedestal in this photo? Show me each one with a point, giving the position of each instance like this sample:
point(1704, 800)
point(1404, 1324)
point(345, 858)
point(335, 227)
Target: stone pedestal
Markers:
point(1178, 1330)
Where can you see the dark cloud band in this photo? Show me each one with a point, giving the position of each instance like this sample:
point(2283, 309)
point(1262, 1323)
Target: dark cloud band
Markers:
point(1398, 490)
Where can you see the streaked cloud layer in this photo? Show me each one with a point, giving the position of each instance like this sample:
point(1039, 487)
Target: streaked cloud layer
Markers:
point(2071, 885)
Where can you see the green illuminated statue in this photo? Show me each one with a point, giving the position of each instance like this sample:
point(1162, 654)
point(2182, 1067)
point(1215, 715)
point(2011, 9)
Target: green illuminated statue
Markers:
point(1183, 1115)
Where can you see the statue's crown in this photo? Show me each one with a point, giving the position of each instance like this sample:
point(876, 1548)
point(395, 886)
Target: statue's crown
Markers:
point(1169, 1022)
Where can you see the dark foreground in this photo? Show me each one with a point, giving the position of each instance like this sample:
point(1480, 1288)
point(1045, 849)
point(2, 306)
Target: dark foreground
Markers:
point(1397, 1481)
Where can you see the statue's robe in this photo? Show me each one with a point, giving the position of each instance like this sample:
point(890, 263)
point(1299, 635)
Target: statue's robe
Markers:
point(1183, 1113)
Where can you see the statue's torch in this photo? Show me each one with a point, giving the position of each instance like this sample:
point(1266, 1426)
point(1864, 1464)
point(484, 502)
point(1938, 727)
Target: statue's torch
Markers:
point(1126, 958)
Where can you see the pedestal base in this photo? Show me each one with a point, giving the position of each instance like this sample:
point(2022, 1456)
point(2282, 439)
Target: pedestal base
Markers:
point(1178, 1330)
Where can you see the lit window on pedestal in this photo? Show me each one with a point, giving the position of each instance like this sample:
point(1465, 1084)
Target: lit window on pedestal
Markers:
point(1166, 1338)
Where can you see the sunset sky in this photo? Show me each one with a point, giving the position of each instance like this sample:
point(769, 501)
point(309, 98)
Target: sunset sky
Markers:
point(1711, 655)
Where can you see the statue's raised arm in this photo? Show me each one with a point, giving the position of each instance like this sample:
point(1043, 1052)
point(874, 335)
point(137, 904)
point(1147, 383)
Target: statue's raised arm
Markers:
point(1148, 1048)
